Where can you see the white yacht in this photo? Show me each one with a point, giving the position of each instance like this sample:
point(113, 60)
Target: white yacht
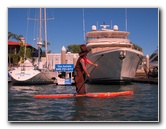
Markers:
point(153, 64)
point(116, 56)
point(153, 61)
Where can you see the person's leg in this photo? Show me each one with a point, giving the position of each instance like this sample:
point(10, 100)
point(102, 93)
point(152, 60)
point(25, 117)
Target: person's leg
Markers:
point(79, 81)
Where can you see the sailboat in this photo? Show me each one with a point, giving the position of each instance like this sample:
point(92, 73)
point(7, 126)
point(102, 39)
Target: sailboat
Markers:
point(29, 74)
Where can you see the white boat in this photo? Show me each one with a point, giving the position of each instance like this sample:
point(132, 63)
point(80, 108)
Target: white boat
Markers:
point(153, 61)
point(116, 56)
point(28, 73)
point(153, 64)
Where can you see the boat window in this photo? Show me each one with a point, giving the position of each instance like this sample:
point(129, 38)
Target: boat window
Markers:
point(152, 55)
point(155, 59)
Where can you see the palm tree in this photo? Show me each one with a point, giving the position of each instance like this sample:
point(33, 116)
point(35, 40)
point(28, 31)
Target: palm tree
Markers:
point(10, 34)
point(22, 52)
point(43, 45)
point(14, 36)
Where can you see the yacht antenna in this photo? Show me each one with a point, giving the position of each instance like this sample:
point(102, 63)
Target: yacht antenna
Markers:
point(104, 26)
point(97, 25)
point(111, 25)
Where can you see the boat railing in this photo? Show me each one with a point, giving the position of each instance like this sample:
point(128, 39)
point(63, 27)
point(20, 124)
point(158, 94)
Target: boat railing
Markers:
point(23, 67)
point(110, 45)
point(100, 49)
point(110, 40)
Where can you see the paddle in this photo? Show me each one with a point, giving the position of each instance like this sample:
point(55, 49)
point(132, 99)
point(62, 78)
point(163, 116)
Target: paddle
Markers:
point(90, 73)
point(96, 61)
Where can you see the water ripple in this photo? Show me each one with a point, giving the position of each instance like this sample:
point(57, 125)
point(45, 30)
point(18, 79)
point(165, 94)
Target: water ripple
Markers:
point(141, 106)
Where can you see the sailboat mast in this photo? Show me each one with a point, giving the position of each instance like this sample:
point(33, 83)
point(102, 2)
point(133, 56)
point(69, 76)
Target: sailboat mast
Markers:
point(40, 26)
point(45, 29)
point(39, 43)
point(45, 33)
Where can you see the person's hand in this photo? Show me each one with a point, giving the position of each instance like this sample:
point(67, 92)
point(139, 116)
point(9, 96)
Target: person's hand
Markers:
point(96, 65)
point(88, 75)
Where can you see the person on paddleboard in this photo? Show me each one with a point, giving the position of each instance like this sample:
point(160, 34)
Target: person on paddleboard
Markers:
point(81, 70)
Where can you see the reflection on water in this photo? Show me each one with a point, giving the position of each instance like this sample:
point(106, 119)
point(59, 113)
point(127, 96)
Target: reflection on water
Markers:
point(141, 106)
point(108, 88)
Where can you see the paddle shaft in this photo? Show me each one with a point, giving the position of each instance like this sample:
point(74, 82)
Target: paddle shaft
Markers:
point(96, 61)
point(90, 73)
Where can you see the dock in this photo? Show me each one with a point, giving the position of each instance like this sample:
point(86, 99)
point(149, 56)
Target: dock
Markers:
point(142, 77)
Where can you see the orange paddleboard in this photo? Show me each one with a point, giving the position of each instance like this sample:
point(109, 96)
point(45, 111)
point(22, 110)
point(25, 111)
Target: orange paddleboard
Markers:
point(93, 95)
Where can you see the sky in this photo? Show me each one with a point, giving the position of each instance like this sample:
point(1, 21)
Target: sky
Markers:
point(65, 25)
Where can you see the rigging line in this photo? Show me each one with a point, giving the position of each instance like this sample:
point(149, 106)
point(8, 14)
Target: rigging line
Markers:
point(34, 39)
point(28, 19)
point(126, 18)
point(35, 32)
point(53, 26)
point(51, 18)
point(52, 13)
point(40, 28)
point(45, 34)
point(26, 36)
point(83, 23)
point(45, 27)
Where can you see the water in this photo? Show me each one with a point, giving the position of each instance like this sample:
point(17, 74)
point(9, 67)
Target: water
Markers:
point(141, 106)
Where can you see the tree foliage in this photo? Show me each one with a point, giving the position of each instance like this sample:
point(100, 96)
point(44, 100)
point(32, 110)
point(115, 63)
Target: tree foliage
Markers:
point(14, 36)
point(21, 52)
point(13, 58)
point(137, 47)
point(28, 53)
point(74, 48)
point(43, 44)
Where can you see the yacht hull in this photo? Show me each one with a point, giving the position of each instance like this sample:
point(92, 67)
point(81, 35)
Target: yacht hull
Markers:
point(114, 66)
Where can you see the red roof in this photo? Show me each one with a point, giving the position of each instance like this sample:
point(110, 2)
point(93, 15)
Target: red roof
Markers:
point(11, 43)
